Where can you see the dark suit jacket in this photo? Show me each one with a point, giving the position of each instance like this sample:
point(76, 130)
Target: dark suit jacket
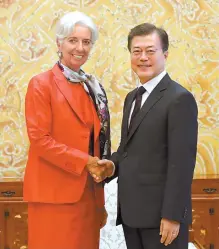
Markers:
point(156, 160)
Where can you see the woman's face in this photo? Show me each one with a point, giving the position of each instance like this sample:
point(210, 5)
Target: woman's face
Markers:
point(76, 47)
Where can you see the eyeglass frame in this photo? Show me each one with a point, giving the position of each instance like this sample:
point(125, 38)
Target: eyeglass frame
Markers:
point(149, 52)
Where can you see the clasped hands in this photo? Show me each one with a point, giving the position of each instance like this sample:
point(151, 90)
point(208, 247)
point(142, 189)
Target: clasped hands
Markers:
point(100, 169)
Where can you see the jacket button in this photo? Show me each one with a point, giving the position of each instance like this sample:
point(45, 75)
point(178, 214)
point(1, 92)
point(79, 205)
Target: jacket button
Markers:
point(125, 154)
point(185, 213)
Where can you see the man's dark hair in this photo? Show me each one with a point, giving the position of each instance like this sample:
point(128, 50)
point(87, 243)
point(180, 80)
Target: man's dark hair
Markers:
point(147, 29)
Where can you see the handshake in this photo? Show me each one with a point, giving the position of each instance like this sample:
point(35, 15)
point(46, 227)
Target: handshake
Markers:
point(100, 169)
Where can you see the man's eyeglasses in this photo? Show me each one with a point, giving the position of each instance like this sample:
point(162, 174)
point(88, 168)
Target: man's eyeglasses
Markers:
point(148, 52)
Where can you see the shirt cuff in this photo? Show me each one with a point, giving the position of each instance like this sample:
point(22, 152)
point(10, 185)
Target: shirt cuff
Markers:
point(114, 168)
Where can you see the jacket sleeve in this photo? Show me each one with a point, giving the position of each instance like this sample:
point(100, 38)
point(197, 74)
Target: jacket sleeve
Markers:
point(38, 112)
point(182, 146)
point(116, 155)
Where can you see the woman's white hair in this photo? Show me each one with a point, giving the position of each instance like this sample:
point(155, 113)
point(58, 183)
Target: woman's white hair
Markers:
point(66, 24)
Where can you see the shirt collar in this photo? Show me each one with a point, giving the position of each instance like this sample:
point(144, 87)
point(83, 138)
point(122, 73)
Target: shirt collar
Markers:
point(151, 84)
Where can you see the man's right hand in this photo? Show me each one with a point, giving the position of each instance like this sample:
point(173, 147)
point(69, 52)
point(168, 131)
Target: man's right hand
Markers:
point(109, 167)
point(108, 170)
point(97, 171)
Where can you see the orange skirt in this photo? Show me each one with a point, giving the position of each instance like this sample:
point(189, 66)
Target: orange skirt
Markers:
point(65, 226)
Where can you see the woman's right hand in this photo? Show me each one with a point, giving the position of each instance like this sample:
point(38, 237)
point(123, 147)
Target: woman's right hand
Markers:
point(97, 171)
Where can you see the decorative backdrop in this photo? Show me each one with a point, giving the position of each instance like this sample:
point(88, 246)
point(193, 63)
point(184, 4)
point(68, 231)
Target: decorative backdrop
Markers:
point(27, 47)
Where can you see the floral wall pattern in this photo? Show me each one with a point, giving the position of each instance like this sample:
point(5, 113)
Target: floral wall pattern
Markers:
point(27, 47)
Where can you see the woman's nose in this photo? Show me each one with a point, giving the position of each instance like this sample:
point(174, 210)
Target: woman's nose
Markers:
point(79, 45)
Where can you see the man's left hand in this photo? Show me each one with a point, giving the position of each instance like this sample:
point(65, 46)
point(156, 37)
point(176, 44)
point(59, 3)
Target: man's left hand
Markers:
point(169, 230)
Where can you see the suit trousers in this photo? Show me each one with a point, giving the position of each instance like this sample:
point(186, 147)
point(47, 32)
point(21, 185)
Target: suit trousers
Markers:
point(149, 238)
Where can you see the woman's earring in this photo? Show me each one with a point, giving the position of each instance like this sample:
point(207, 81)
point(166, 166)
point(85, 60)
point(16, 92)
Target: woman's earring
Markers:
point(59, 54)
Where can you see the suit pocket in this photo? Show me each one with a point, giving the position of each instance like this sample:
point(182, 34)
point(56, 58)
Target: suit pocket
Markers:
point(151, 179)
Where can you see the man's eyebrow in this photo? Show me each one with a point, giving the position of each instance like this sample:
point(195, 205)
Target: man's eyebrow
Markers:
point(151, 46)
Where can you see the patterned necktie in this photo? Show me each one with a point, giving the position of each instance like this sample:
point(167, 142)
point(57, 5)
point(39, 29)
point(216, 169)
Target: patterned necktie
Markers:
point(138, 98)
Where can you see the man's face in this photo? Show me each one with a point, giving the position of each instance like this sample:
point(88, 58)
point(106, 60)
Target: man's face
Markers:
point(147, 57)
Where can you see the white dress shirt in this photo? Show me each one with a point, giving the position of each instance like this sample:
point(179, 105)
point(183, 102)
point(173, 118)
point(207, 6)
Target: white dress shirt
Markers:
point(149, 87)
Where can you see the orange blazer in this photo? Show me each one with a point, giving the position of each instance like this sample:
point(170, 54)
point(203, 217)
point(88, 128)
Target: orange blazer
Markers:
point(59, 142)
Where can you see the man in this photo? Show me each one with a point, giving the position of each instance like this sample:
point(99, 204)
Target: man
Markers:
point(157, 153)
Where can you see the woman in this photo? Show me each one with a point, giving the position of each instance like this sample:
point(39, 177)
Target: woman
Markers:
point(68, 127)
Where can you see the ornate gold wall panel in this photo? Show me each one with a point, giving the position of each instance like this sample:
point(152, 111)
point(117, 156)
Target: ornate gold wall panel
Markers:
point(27, 47)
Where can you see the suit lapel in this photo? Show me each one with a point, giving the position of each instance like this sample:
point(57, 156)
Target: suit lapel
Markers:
point(128, 107)
point(66, 90)
point(153, 98)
